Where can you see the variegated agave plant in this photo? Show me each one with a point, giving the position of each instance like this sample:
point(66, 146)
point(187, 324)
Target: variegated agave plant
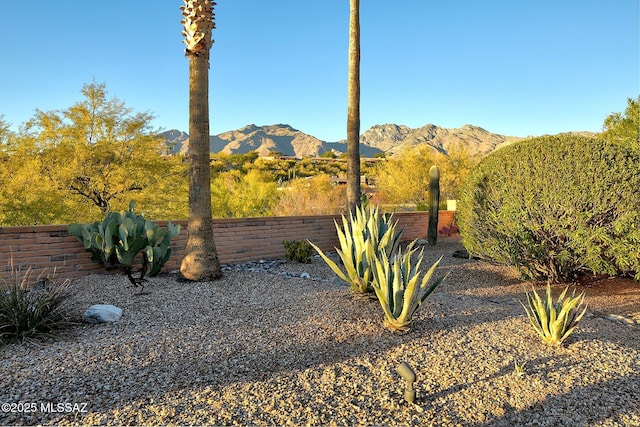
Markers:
point(399, 288)
point(366, 231)
point(554, 321)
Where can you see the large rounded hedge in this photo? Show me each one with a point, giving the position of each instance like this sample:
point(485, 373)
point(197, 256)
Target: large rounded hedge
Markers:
point(555, 206)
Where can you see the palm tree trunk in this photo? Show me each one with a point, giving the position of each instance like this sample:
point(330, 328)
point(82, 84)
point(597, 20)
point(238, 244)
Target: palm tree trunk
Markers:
point(353, 108)
point(200, 262)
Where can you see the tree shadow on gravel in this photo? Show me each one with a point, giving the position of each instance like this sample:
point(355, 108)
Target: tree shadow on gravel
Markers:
point(613, 399)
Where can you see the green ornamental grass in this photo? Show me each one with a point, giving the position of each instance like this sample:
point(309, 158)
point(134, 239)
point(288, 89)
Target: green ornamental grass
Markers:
point(28, 311)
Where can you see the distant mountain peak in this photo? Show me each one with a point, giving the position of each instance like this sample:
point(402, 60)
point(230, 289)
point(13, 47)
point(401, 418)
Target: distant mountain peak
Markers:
point(247, 129)
point(389, 138)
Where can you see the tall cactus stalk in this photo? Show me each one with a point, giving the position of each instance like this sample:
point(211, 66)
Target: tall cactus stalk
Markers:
point(434, 203)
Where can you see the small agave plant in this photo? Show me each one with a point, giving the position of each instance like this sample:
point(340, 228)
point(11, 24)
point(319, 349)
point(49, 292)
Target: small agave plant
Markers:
point(519, 368)
point(399, 288)
point(554, 321)
point(367, 231)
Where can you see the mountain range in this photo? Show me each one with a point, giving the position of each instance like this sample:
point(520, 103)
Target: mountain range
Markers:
point(388, 138)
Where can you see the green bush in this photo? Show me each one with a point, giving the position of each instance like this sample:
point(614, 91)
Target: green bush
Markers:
point(29, 310)
point(298, 250)
point(555, 206)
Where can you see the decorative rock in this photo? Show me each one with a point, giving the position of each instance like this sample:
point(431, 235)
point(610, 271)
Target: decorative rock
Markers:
point(421, 242)
point(102, 313)
point(269, 267)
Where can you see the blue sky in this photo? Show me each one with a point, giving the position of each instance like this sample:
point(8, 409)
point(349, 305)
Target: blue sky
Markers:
point(512, 67)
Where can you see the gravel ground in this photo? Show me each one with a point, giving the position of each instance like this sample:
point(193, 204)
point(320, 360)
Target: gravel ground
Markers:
point(258, 348)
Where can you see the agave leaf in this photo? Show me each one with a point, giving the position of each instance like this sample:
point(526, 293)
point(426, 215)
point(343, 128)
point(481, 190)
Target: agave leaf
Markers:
point(541, 311)
point(435, 285)
point(533, 316)
point(397, 325)
point(423, 292)
point(410, 301)
point(562, 295)
point(330, 263)
point(551, 310)
point(383, 295)
point(530, 316)
point(398, 298)
point(573, 325)
point(382, 287)
point(347, 261)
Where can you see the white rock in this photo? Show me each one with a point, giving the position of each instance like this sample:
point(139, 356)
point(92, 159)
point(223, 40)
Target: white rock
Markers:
point(102, 313)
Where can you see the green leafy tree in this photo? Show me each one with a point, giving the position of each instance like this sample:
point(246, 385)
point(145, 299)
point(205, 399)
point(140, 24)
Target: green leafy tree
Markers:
point(27, 200)
point(555, 207)
point(624, 127)
point(97, 150)
point(168, 198)
point(5, 132)
point(22, 194)
point(237, 195)
point(404, 178)
point(281, 169)
point(73, 165)
point(454, 168)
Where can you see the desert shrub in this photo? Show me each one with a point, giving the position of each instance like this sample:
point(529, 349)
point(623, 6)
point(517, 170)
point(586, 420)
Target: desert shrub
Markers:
point(29, 309)
point(298, 250)
point(555, 206)
point(311, 196)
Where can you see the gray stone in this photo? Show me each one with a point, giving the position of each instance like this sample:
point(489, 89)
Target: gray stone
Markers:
point(102, 313)
point(421, 242)
point(305, 276)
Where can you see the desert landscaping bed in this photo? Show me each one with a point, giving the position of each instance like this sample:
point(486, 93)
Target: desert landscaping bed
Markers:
point(258, 348)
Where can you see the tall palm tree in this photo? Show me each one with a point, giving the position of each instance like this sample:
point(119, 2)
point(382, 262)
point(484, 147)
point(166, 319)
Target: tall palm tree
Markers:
point(201, 259)
point(353, 108)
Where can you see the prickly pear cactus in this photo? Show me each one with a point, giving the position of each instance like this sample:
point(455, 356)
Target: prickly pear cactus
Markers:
point(122, 235)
